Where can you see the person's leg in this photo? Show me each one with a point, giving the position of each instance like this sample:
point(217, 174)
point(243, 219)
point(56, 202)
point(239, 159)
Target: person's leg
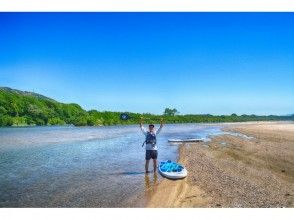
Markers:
point(147, 166)
point(147, 158)
point(154, 165)
point(154, 157)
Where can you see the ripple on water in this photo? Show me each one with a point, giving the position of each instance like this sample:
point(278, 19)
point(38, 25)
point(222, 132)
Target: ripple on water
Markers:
point(81, 167)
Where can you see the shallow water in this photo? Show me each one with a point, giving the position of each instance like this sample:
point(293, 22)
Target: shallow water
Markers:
point(81, 167)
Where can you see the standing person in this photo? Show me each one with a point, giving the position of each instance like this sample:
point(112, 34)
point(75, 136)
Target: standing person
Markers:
point(150, 141)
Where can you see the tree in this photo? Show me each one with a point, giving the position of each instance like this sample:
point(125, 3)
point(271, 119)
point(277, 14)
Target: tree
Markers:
point(6, 120)
point(2, 110)
point(55, 121)
point(170, 112)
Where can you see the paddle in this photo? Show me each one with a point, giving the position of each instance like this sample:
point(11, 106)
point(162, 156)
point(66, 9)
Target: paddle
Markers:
point(126, 116)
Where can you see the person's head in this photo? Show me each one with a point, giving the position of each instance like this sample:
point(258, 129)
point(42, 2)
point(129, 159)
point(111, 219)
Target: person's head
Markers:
point(151, 127)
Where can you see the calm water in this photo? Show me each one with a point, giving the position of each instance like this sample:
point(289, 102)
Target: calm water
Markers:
point(81, 167)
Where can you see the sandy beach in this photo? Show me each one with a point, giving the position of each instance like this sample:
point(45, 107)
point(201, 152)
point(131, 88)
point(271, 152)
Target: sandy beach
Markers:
point(254, 170)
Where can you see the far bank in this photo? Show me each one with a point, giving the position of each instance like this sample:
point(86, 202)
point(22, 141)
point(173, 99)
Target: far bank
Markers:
point(22, 108)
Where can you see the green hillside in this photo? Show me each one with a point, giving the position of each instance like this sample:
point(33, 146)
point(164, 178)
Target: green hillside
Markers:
point(20, 108)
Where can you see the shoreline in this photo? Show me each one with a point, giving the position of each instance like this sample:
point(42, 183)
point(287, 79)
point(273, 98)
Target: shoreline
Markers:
point(202, 123)
point(231, 171)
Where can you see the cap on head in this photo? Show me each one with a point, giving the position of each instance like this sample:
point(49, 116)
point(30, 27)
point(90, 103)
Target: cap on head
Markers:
point(151, 125)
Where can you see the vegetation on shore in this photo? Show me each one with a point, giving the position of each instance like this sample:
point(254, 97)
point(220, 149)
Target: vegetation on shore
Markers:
point(20, 108)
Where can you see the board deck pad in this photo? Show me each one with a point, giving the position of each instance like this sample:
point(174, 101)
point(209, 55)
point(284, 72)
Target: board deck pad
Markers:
point(171, 167)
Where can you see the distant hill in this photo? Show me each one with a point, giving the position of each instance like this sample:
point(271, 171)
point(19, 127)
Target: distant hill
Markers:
point(22, 108)
point(29, 108)
point(7, 89)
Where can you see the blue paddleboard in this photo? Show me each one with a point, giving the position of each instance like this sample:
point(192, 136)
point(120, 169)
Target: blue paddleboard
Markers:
point(172, 170)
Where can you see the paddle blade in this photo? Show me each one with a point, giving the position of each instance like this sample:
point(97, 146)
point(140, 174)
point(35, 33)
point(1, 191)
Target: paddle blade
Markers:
point(124, 116)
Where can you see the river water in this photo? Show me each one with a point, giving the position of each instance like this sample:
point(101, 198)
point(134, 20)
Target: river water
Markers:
point(82, 166)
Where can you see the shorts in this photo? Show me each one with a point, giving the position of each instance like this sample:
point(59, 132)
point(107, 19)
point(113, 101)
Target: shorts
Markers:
point(151, 154)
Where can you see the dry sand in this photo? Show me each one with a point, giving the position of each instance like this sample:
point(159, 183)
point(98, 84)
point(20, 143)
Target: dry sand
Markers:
point(233, 171)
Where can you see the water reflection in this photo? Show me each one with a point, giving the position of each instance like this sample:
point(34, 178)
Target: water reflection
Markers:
point(151, 183)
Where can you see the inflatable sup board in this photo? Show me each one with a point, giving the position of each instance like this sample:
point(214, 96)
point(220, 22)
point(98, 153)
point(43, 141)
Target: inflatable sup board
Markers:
point(187, 140)
point(172, 170)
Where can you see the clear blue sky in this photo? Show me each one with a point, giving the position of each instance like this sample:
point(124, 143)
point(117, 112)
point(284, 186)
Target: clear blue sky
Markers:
point(217, 63)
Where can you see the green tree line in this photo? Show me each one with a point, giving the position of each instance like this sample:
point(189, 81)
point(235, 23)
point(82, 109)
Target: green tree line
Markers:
point(19, 108)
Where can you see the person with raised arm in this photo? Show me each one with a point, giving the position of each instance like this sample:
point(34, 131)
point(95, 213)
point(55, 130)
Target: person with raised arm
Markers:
point(150, 144)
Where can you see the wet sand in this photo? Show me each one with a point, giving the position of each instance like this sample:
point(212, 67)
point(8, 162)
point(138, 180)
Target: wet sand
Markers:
point(235, 171)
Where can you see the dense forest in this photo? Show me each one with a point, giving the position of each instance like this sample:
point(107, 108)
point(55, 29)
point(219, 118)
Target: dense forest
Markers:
point(20, 108)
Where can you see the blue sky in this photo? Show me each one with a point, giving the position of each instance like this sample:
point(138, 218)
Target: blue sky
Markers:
point(217, 63)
